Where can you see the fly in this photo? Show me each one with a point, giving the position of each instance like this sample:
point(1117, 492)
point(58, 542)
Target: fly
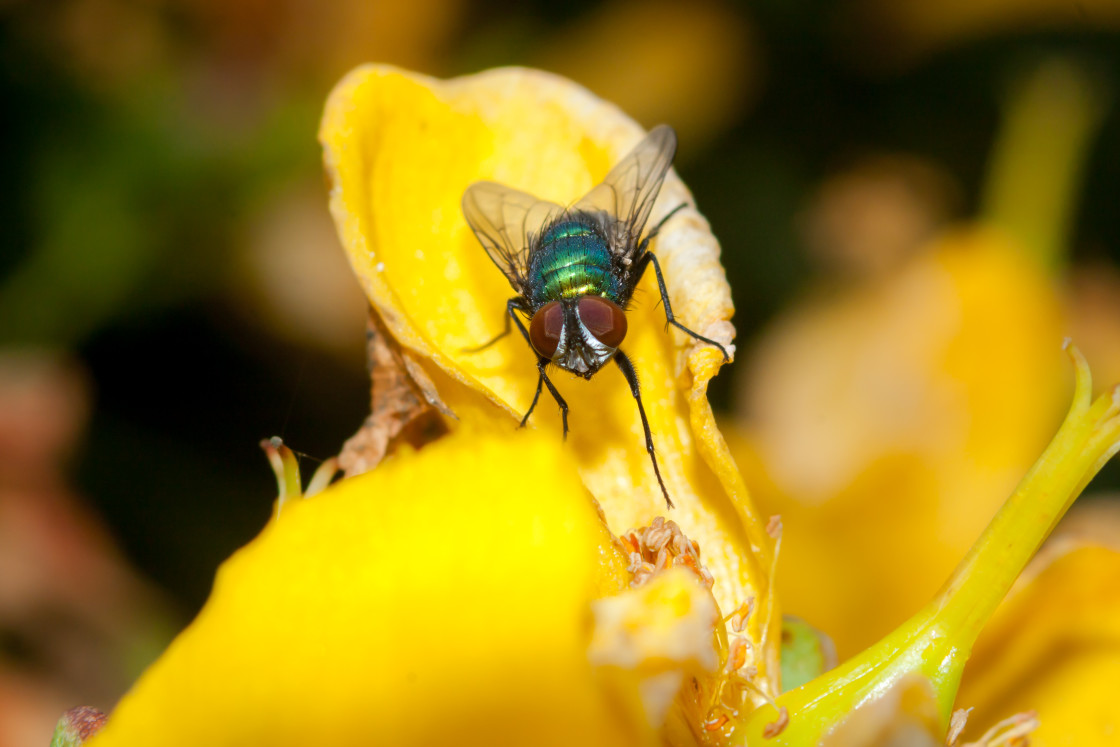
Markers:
point(575, 268)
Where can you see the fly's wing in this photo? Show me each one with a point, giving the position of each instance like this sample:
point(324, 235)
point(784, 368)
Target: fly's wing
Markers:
point(630, 189)
point(505, 221)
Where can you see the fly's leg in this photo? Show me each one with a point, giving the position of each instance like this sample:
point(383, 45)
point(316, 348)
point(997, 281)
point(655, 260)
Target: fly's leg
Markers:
point(513, 303)
point(543, 379)
point(555, 395)
point(517, 303)
point(651, 259)
point(627, 369)
point(533, 406)
point(657, 229)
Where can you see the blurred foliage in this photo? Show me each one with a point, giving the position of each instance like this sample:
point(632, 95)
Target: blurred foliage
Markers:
point(146, 142)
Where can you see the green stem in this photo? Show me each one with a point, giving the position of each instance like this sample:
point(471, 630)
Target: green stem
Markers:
point(1036, 164)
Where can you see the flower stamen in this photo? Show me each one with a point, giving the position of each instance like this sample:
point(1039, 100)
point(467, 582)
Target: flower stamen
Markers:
point(956, 725)
point(660, 546)
point(741, 616)
point(717, 722)
point(322, 477)
point(777, 726)
point(737, 656)
point(286, 468)
point(774, 529)
point(1010, 732)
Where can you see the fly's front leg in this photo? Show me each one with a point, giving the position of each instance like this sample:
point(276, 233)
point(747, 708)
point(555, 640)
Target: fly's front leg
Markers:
point(542, 378)
point(533, 406)
point(651, 259)
point(555, 394)
point(513, 303)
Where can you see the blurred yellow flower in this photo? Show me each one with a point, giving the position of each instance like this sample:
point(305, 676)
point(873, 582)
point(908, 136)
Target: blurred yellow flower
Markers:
point(472, 590)
point(887, 418)
point(883, 421)
point(878, 428)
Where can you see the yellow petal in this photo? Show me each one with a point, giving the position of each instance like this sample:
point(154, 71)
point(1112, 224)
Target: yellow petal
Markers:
point(433, 600)
point(660, 632)
point(1054, 644)
point(400, 150)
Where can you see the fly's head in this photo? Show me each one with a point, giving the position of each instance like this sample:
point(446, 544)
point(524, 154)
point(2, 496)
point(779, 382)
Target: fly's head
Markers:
point(579, 335)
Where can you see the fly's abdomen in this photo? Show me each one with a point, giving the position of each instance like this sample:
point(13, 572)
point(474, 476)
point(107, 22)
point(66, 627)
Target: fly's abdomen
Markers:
point(571, 260)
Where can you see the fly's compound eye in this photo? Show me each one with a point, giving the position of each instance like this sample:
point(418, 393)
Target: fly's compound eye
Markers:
point(545, 329)
point(603, 319)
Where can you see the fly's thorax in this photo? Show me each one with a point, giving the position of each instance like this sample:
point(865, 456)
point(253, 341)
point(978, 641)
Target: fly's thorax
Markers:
point(572, 258)
point(579, 335)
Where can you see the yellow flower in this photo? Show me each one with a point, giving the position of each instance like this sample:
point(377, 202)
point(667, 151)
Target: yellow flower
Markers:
point(500, 587)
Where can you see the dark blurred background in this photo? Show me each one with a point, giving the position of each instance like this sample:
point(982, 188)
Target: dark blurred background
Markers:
point(171, 290)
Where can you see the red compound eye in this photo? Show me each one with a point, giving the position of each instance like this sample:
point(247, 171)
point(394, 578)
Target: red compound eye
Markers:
point(545, 328)
point(603, 319)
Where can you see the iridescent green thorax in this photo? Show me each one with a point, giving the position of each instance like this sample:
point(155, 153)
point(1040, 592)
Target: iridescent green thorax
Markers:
point(572, 259)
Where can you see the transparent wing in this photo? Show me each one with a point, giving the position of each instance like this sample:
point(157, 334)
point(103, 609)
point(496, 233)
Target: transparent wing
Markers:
point(630, 189)
point(504, 220)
